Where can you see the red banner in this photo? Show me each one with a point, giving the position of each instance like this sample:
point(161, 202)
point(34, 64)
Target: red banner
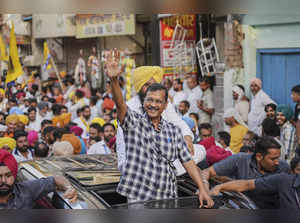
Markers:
point(167, 28)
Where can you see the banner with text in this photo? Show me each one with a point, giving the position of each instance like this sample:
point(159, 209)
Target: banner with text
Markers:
point(88, 26)
point(167, 28)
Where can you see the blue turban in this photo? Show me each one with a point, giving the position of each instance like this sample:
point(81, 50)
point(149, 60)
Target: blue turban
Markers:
point(190, 122)
point(286, 110)
point(16, 110)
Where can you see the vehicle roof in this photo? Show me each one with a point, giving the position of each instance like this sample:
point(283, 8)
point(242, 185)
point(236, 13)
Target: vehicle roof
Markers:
point(86, 170)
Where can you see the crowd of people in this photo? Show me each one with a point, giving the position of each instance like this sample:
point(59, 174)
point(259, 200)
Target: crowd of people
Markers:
point(165, 130)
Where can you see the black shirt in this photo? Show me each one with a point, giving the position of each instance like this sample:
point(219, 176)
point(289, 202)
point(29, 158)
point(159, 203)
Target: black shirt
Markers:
point(297, 111)
point(286, 186)
point(243, 166)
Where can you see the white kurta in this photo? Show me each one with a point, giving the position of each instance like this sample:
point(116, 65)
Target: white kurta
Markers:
point(178, 97)
point(257, 113)
point(193, 96)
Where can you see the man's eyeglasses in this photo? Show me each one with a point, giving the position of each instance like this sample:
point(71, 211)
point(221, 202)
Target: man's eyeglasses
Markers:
point(151, 100)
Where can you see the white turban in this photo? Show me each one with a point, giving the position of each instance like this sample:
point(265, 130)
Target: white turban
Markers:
point(239, 91)
point(232, 112)
point(63, 148)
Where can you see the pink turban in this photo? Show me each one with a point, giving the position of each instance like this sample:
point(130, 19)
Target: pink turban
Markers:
point(9, 160)
point(32, 137)
point(257, 82)
point(77, 130)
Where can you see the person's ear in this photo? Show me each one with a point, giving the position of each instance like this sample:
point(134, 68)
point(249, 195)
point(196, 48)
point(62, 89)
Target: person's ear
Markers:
point(259, 157)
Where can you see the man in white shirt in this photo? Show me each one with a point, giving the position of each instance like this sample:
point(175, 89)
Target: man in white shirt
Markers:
point(80, 102)
point(206, 104)
point(143, 77)
point(34, 122)
point(179, 94)
point(80, 69)
point(70, 83)
point(193, 92)
point(43, 112)
point(102, 147)
point(22, 152)
point(241, 104)
point(84, 121)
point(183, 108)
point(3, 101)
point(259, 101)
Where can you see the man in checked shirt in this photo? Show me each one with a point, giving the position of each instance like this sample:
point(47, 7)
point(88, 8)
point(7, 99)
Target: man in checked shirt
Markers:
point(152, 143)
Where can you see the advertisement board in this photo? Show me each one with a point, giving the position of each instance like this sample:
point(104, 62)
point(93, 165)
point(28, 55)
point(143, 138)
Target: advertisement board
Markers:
point(88, 26)
point(53, 25)
point(167, 53)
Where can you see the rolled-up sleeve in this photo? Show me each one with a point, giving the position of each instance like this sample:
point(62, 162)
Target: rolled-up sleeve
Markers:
point(184, 154)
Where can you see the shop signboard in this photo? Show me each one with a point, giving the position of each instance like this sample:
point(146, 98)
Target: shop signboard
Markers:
point(89, 26)
point(167, 28)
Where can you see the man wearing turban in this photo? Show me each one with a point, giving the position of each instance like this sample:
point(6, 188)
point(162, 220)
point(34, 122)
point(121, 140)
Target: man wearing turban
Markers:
point(143, 77)
point(11, 122)
point(23, 122)
point(240, 103)
point(259, 100)
point(23, 195)
point(287, 131)
point(238, 129)
point(7, 143)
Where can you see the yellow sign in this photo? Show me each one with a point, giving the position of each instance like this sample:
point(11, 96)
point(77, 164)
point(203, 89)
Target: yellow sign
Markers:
point(88, 26)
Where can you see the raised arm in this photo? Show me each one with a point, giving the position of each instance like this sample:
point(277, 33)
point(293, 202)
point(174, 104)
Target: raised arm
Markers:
point(113, 72)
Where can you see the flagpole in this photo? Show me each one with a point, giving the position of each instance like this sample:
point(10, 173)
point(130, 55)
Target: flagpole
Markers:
point(56, 72)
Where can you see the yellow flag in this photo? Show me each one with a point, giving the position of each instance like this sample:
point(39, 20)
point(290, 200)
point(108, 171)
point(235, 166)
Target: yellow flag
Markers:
point(3, 55)
point(47, 62)
point(14, 66)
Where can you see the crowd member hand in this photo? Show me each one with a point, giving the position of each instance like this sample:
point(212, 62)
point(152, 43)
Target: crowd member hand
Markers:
point(113, 64)
point(215, 191)
point(203, 196)
point(71, 195)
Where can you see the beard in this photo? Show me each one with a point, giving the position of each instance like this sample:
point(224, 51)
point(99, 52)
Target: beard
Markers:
point(6, 191)
point(22, 149)
point(107, 138)
point(86, 117)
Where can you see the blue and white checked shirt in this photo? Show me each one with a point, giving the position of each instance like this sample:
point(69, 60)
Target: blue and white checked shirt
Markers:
point(149, 172)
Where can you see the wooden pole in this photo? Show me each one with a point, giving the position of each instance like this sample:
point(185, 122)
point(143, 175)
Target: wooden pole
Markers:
point(56, 72)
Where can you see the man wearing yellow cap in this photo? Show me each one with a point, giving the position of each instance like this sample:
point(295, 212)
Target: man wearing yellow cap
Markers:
point(143, 77)
point(3, 100)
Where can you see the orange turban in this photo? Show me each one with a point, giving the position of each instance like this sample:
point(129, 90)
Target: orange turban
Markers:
point(74, 140)
point(62, 120)
point(108, 104)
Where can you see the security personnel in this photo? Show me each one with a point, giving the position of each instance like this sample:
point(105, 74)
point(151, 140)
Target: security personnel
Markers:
point(286, 186)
